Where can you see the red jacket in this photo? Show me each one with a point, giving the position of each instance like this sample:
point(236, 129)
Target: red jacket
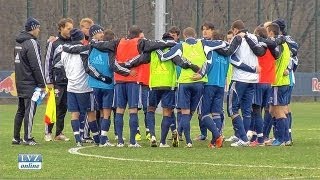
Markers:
point(144, 74)
point(268, 68)
point(126, 50)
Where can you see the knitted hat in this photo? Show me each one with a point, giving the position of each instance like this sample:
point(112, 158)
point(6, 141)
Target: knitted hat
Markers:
point(31, 24)
point(76, 34)
point(94, 29)
point(281, 23)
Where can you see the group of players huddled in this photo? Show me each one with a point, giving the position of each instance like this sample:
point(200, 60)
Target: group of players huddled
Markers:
point(96, 75)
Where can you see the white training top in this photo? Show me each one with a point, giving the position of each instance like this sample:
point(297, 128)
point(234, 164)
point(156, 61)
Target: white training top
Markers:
point(245, 55)
point(75, 72)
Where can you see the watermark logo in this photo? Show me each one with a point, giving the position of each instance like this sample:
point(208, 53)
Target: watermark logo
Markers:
point(30, 161)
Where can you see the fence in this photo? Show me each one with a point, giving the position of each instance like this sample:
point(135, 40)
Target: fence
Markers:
point(307, 85)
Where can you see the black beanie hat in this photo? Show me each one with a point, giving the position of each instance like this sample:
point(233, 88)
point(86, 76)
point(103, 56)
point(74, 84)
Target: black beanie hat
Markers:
point(94, 29)
point(31, 24)
point(76, 34)
point(281, 23)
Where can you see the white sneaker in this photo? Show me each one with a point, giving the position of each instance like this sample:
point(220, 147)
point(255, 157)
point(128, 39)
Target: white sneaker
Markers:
point(189, 145)
point(107, 144)
point(48, 137)
point(240, 143)
point(153, 142)
point(79, 144)
point(250, 134)
point(232, 139)
point(288, 143)
point(134, 145)
point(120, 145)
point(164, 145)
point(87, 140)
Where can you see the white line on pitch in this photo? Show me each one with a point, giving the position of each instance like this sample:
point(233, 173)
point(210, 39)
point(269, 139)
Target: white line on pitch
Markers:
point(76, 152)
point(302, 177)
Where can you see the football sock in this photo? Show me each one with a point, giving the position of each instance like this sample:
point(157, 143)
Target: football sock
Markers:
point(173, 125)
point(95, 132)
point(258, 125)
point(105, 125)
point(165, 124)
point(133, 124)
point(246, 123)
point(211, 125)
point(267, 124)
point(119, 127)
point(185, 123)
point(280, 129)
point(75, 124)
point(290, 125)
point(179, 123)
point(286, 130)
point(218, 122)
point(239, 128)
point(151, 122)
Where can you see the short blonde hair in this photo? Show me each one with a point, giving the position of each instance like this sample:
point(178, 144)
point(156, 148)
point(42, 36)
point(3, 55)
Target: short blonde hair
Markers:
point(86, 20)
point(189, 32)
point(267, 24)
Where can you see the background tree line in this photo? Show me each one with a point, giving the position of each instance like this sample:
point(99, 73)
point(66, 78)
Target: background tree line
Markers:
point(302, 18)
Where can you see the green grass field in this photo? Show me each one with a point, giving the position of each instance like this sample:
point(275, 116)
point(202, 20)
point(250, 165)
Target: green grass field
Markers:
point(299, 161)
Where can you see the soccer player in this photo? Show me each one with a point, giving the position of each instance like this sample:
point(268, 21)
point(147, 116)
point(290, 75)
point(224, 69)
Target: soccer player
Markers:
point(85, 25)
point(190, 91)
point(207, 34)
point(280, 88)
point(174, 32)
point(244, 76)
point(109, 35)
point(80, 96)
point(229, 36)
point(216, 69)
point(29, 75)
point(266, 78)
point(126, 87)
point(143, 77)
point(103, 93)
point(56, 78)
point(103, 62)
point(293, 46)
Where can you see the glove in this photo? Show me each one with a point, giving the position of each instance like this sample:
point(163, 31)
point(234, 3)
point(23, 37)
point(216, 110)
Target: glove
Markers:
point(106, 80)
point(194, 68)
point(125, 65)
point(283, 39)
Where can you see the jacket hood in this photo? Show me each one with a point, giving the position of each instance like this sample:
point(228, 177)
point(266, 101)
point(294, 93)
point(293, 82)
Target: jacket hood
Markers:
point(23, 36)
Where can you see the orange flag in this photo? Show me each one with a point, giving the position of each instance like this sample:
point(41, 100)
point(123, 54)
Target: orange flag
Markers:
point(50, 115)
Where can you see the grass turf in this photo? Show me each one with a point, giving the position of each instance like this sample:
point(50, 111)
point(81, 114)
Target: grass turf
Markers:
point(299, 161)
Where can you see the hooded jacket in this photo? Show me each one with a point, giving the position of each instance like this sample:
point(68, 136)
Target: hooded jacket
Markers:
point(53, 56)
point(29, 74)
